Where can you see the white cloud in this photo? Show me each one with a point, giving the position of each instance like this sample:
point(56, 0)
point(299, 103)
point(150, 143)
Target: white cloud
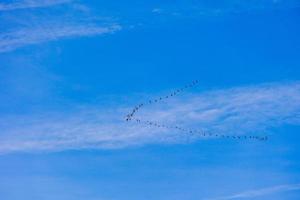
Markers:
point(27, 36)
point(236, 110)
point(42, 25)
point(22, 4)
point(157, 10)
point(244, 110)
point(260, 192)
point(221, 8)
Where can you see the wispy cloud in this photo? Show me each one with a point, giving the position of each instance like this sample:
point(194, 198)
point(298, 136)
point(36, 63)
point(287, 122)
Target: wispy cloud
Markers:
point(242, 110)
point(235, 110)
point(26, 36)
point(221, 8)
point(50, 24)
point(30, 4)
point(260, 192)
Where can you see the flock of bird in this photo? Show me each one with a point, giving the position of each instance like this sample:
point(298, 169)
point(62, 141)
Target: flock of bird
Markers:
point(198, 133)
point(176, 92)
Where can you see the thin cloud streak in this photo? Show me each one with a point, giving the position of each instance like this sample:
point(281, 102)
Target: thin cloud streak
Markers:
point(30, 4)
point(235, 111)
point(260, 192)
point(27, 36)
point(222, 8)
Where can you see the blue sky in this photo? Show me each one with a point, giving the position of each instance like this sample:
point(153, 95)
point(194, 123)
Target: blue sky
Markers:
point(71, 70)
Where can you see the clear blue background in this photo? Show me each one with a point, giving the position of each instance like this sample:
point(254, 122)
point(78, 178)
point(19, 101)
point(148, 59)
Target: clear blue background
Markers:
point(152, 53)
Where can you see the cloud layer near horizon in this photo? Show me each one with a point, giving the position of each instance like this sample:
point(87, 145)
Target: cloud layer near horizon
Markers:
point(235, 111)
